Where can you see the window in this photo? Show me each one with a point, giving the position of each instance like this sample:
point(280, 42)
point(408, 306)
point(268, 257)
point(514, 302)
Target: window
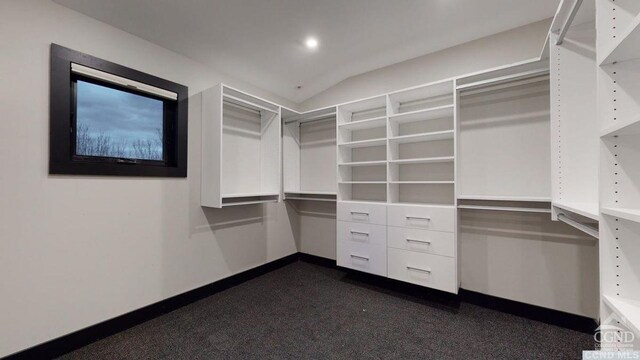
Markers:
point(107, 119)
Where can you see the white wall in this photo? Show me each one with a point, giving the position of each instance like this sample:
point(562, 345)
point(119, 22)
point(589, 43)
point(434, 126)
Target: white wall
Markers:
point(511, 46)
point(78, 250)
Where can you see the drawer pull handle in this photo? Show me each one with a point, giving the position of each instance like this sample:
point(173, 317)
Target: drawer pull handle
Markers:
point(418, 218)
point(418, 269)
point(365, 213)
point(419, 241)
point(360, 257)
point(353, 232)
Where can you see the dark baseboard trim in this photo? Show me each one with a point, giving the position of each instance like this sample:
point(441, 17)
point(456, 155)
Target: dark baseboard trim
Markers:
point(84, 337)
point(549, 316)
point(318, 260)
point(80, 338)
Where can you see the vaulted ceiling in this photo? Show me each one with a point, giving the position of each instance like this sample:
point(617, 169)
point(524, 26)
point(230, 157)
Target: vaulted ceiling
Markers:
point(262, 41)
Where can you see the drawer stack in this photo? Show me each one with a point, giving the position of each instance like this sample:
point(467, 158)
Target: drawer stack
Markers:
point(411, 243)
point(422, 246)
point(362, 237)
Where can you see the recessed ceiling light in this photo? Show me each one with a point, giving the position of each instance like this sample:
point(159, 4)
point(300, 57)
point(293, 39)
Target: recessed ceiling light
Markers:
point(311, 42)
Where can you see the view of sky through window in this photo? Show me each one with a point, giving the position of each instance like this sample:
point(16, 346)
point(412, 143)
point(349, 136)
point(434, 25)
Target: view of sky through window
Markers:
point(115, 123)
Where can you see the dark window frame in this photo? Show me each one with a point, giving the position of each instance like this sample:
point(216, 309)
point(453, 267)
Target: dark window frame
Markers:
point(62, 157)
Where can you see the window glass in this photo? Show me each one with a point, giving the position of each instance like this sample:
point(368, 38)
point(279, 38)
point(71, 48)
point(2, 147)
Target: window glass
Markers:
point(118, 124)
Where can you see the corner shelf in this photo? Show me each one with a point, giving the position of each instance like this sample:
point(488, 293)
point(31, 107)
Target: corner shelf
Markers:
point(432, 136)
point(364, 124)
point(590, 211)
point(627, 46)
point(628, 311)
point(626, 214)
point(364, 143)
point(431, 160)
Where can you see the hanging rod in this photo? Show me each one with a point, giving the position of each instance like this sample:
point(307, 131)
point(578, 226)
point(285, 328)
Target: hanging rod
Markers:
point(582, 227)
point(567, 23)
point(534, 75)
point(247, 105)
point(326, 117)
point(504, 208)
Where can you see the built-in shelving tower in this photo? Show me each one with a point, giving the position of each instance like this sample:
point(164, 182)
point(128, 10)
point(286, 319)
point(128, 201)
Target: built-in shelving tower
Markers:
point(618, 45)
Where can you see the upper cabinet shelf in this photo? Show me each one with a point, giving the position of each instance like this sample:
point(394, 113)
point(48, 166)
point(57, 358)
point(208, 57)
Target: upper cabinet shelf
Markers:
point(429, 97)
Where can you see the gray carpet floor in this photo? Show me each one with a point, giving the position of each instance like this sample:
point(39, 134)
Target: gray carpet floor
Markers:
point(306, 311)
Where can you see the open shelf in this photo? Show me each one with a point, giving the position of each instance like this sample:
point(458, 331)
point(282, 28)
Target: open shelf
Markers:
point(627, 45)
point(424, 114)
point(628, 311)
point(422, 182)
point(422, 98)
point(248, 199)
point(432, 136)
point(362, 110)
point(310, 195)
point(504, 198)
point(363, 182)
point(364, 143)
point(587, 210)
point(245, 195)
point(626, 214)
point(431, 160)
point(364, 163)
point(364, 124)
point(623, 128)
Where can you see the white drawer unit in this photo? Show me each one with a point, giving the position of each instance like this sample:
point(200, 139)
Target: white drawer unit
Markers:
point(362, 233)
point(434, 271)
point(361, 212)
point(440, 218)
point(433, 242)
point(365, 257)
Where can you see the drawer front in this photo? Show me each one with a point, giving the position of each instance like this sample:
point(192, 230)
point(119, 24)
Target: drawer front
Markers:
point(433, 242)
point(434, 271)
point(362, 212)
point(363, 257)
point(422, 217)
point(362, 233)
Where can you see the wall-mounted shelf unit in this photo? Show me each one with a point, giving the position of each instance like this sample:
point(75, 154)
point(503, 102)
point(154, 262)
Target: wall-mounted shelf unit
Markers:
point(575, 130)
point(309, 155)
point(618, 99)
point(240, 149)
point(362, 144)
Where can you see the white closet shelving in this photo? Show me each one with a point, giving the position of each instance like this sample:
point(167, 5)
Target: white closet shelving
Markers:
point(309, 154)
point(504, 134)
point(618, 34)
point(421, 145)
point(240, 149)
point(574, 124)
point(362, 144)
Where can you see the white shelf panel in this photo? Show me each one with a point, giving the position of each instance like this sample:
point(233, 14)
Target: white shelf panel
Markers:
point(627, 47)
point(364, 124)
point(364, 163)
point(423, 204)
point(240, 203)
point(364, 143)
point(309, 199)
point(626, 214)
point(232, 196)
point(623, 128)
point(503, 198)
point(432, 160)
point(422, 115)
point(504, 208)
point(423, 182)
point(628, 311)
point(432, 136)
point(362, 202)
point(590, 211)
point(310, 192)
point(363, 182)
